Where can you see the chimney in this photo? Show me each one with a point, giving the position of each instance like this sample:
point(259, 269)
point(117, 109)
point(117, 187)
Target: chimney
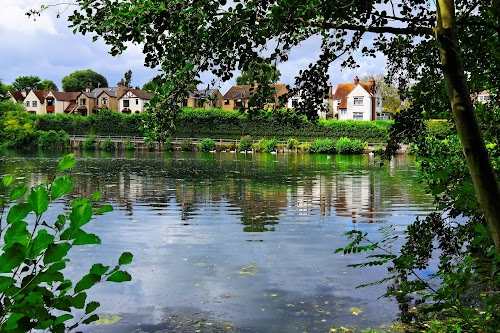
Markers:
point(87, 89)
point(356, 80)
point(23, 92)
point(121, 90)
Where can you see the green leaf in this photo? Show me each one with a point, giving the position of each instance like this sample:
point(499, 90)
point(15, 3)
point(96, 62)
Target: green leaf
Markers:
point(81, 212)
point(12, 258)
point(56, 252)
point(125, 258)
point(66, 162)
point(61, 319)
point(38, 200)
point(12, 322)
point(61, 186)
point(17, 233)
point(83, 238)
point(18, 213)
point(119, 276)
point(61, 221)
point(90, 319)
point(86, 282)
point(96, 196)
point(104, 209)
point(438, 189)
point(91, 307)
point(17, 192)
point(7, 180)
point(6, 282)
point(40, 243)
point(99, 269)
point(78, 301)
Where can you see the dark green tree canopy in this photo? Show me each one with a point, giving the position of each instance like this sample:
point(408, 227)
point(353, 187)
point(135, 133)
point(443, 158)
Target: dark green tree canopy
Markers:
point(3, 92)
point(81, 79)
point(27, 83)
point(261, 72)
point(47, 84)
point(127, 78)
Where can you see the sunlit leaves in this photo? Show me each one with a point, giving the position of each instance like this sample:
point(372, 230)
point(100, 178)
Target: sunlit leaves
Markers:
point(67, 162)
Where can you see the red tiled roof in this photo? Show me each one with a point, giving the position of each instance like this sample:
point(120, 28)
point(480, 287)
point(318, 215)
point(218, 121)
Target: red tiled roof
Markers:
point(40, 94)
point(139, 93)
point(71, 107)
point(344, 89)
point(246, 91)
point(18, 96)
point(65, 96)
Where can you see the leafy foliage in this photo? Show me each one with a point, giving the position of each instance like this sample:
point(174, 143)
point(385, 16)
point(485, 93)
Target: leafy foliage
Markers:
point(260, 71)
point(207, 144)
point(90, 143)
point(34, 293)
point(267, 146)
point(347, 146)
point(27, 83)
point(81, 79)
point(52, 139)
point(245, 143)
point(107, 144)
point(186, 145)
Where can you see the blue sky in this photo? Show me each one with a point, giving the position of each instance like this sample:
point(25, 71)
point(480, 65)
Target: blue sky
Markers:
point(48, 48)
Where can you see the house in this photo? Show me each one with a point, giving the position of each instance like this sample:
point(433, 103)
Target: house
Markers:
point(34, 102)
point(206, 99)
point(132, 100)
point(17, 96)
point(61, 102)
point(483, 96)
point(89, 102)
point(358, 101)
point(325, 112)
point(237, 96)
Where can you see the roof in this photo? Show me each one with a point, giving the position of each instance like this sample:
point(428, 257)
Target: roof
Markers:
point(246, 91)
point(202, 94)
point(111, 91)
point(142, 94)
point(344, 89)
point(18, 96)
point(65, 96)
point(71, 107)
point(40, 94)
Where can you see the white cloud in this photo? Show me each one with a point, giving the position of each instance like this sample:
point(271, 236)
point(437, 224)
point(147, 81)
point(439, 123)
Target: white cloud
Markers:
point(13, 19)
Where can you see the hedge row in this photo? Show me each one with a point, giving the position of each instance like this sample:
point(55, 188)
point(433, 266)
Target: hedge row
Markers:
point(217, 123)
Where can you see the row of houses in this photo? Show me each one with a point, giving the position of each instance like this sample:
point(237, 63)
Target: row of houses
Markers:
point(354, 101)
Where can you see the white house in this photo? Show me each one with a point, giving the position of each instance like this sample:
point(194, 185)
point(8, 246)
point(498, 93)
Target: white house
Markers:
point(34, 102)
point(61, 102)
point(358, 101)
point(132, 100)
point(324, 112)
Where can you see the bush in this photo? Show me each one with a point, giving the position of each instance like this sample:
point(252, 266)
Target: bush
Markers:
point(129, 146)
point(440, 128)
point(321, 146)
point(89, 143)
point(35, 295)
point(292, 144)
point(52, 139)
point(245, 143)
point(167, 145)
point(107, 144)
point(186, 145)
point(267, 146)
point(348, 146)
point(207, 144)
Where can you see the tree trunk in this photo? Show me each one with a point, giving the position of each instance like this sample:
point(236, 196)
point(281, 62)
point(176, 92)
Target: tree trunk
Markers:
point(482, 173)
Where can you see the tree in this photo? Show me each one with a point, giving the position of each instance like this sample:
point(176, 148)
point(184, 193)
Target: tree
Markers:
point(3, 92)
point(48, 85)
point(391, 100)
point(261, 72)
point(127, 78)
point(26, 82)
point(81, 79)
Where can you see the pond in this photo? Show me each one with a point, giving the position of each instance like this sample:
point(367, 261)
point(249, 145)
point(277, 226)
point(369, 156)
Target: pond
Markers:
point(231, 242)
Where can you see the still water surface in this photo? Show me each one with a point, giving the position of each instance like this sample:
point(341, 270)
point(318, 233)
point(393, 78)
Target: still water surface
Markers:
point(244, 239)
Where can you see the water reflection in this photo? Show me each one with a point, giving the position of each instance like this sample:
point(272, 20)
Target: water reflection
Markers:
point(247, 238)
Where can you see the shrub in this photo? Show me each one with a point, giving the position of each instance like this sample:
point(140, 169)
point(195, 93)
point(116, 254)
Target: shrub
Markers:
point(186, 145)
point(129, 146)
point(207, 144)
point(440, 128)
point(35, 295)
point(348, 146)
point(292, 144)
point(52, 139)
point(107, 144)
point(266, 146)
point(90, 143)
point(245, 143)
point(321, 146)
point(167, 145)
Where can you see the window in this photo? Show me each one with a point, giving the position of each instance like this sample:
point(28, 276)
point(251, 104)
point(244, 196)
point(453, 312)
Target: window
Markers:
point(357, 116)
point(126, 103)
point(50, 102)
point(378, 102)
point(343, 111)
point(226, 102)
point(104, 101)
point(294, 103)
point(34, 104)
point(358, 100)
point(239, 103)
point(484, 98)
point(27, 103)
point(136, 101)
point(83, 101)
